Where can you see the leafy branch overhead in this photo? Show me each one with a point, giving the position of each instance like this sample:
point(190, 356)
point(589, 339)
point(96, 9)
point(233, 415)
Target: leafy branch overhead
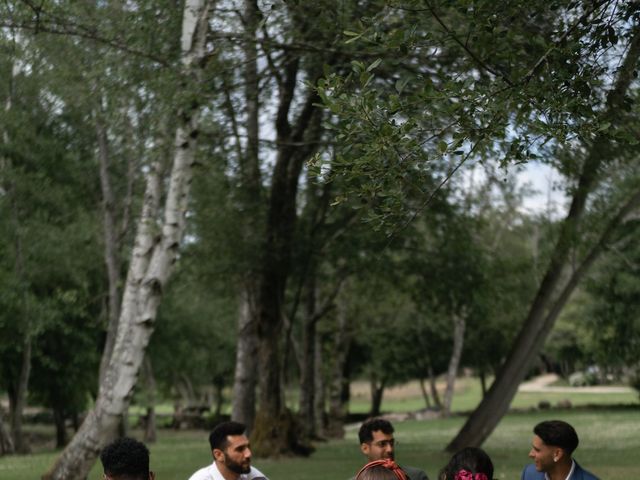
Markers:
point(472, 81)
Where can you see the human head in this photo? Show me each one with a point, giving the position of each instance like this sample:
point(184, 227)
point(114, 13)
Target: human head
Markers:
point(469, 463)
point(381, 470)
point(553, 443)
point(376, 439)
point(230, 447)
point(126, 459)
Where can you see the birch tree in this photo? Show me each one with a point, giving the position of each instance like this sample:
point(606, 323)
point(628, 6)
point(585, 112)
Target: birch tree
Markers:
point(152, 258)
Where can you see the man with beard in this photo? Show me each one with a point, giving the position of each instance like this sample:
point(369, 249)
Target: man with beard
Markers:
point(377, 443)
point(231, 455)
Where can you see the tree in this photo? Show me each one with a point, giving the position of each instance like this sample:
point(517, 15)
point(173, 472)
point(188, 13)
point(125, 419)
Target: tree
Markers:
point(553, 293)
point(150, 266)
point(485, 98)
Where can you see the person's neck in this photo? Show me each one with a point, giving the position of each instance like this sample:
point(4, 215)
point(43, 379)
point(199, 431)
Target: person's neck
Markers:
point(561, 470)
point(226, 473)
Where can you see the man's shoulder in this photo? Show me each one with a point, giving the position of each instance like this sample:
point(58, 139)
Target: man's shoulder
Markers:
point(211, 473)
point(203, 474)
point(414, 473)
point(582, 474)
point(530, 473)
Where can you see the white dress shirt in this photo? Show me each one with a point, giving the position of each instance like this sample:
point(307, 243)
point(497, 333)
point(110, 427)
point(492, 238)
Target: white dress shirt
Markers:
point(212, 473)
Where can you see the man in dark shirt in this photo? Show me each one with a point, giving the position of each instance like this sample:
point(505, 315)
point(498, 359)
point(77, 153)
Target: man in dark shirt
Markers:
point(126, 459)
point(377, 443)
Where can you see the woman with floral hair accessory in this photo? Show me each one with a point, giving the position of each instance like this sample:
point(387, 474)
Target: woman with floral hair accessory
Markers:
point(468, 464)
point(385, 469)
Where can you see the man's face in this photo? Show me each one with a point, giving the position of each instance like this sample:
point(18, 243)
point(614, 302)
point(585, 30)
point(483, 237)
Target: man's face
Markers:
point(544, 456)
point(380, 448)
point(237, 456)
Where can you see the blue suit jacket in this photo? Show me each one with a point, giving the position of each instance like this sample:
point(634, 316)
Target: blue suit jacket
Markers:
point(579, 473)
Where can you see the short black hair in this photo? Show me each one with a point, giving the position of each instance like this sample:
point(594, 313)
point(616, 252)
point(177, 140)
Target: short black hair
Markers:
point(471, 459)
point(557, 433)
point(126, 459)
point(218, 437)
point(365, 434)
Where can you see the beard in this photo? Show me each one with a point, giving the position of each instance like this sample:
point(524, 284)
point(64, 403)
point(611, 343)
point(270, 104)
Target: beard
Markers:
point(236, 467)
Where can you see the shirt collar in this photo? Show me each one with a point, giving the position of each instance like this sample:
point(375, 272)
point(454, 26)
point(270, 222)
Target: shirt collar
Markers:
point(573, 467)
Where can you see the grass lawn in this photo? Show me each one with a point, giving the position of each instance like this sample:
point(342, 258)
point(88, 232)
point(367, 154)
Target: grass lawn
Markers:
point(468, 395)
point(609, 440)
point(609, 443)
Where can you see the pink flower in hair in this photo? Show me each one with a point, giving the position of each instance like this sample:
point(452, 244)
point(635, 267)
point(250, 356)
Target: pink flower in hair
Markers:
point(467, 475)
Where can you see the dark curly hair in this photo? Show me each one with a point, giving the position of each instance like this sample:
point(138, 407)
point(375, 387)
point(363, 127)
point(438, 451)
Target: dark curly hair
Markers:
point(126, 459)
point(365, 434)
point(471, 459)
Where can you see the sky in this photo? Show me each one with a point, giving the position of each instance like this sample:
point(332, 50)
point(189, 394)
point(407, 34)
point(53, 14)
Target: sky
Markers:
point(542, 178)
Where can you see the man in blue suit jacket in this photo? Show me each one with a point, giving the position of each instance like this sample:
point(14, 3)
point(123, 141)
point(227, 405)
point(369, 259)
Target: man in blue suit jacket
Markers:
point(553, 443)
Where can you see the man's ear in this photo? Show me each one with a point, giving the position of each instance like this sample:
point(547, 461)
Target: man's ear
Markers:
point(218, 454)
point(364, 448)
point(558, 454)
point(152, 475)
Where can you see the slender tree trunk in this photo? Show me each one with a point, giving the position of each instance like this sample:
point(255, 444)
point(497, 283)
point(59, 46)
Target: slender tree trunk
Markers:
point(377, 392)
point(425, 394)
point(18, 393)
point(150, 431)
point(339, 379)
point(110, 237)
point(454, 362)
point(18, 399)
point(308, 371)
point(320, 415)
point(6, 442)
point(246, 367)
point(61, 430)
point(153, 255)
point(548, 303)
point(483, 382)
point(245, 378)
point(219, 399)
point(7, 445)
point(434, 389)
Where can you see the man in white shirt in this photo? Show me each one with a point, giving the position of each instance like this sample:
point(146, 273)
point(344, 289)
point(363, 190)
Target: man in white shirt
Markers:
point(231, 455)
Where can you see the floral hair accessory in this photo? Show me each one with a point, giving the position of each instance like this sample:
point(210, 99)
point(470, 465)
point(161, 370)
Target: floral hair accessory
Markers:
point(467, 475)
point(389, 465)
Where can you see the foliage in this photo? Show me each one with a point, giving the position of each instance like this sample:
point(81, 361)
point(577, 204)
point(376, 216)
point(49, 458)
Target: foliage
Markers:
point(513, 81)
point(47, 207)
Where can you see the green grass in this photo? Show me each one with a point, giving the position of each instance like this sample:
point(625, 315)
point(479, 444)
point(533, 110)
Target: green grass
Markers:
point(468, 394)
point(609, 443)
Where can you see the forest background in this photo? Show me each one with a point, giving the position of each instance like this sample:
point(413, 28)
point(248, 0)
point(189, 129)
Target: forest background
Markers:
point(211, 201)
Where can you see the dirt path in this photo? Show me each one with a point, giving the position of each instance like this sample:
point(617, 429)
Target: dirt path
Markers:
point(543, 383)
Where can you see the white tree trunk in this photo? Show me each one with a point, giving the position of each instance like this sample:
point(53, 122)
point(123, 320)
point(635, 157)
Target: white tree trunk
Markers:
point(152, 258)
point(454, 362)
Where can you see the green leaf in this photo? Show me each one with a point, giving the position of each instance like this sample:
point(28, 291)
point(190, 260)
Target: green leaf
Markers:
point(374, 64)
